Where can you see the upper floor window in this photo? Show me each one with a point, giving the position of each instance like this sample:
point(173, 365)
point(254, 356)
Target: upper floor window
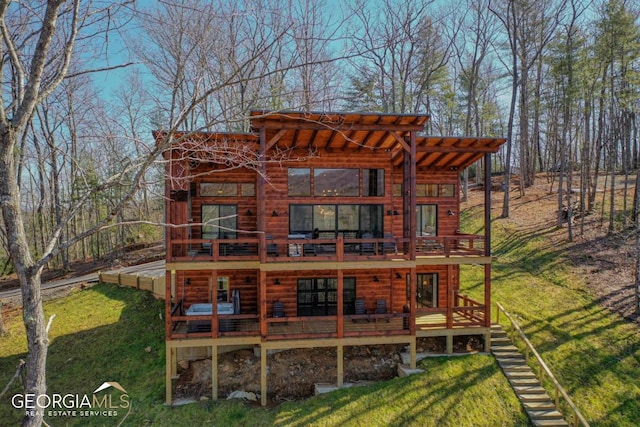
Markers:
point(299, 182)
point(334, 182)
point(448, 190)
point(427, 220)
point(219, 221)
point(227, 189)
point(218, 189)
point(427, 190)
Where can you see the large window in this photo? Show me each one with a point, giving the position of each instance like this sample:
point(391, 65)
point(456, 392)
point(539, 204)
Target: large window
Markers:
point(319, 296)
point(219, 221)
point(332, 220)
point(427, 220)
point(334, 182)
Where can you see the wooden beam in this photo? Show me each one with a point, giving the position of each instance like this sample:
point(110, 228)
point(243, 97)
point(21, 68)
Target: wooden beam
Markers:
point(275, 139)
point(401, 141)
point(316, 125)
point(454, 149)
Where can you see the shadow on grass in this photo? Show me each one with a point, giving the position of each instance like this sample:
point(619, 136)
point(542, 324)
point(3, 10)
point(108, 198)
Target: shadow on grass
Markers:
point(437, 398)
point(129, 351)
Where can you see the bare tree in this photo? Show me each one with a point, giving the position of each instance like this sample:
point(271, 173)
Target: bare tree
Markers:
point(38, 42)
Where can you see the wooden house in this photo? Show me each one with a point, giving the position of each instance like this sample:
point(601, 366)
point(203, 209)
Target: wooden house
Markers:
point(319, 230)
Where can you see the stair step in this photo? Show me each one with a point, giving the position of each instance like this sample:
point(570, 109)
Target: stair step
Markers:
point(529, 389)
point(545, 414)
point(504, 348)
point(520, 375)
point(507, 354)
point(524, 381)
point(559, 422)
point(534, 397)
point(500, 340)
point(536, 405)
point(515, 367)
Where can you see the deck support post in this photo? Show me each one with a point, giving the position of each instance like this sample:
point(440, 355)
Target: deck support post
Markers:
point(214, 372)
point(174, 364)
point(449, 344)
point(340, 365)
point(412, 352)
point(263, 376)
point(169, 357)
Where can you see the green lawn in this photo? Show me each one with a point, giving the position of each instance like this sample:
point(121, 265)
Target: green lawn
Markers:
point(108, 333)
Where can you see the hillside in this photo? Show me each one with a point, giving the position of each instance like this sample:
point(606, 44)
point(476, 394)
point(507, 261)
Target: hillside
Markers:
point(603, 263)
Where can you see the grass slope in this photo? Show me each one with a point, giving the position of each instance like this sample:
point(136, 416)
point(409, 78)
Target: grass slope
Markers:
point(594, 353)
point(108, 333)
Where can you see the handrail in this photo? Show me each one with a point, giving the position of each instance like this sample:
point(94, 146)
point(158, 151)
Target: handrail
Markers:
point(544, 369)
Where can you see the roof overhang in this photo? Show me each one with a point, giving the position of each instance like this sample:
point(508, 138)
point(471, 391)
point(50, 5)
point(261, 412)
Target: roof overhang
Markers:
point(351, 132)
point(335, 131)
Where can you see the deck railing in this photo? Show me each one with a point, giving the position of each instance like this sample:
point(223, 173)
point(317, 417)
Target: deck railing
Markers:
point(543, 370)
point(339, 249)
point(469, 314)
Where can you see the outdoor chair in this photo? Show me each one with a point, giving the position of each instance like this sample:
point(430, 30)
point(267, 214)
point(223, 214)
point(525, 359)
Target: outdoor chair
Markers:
point(381, 307)
point(360, 309)
point(272, 248)
point(389, 247)
point(367, 247)
point(278, 309)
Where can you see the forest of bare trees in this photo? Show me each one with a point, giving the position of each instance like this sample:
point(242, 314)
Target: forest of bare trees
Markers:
point(85, 82)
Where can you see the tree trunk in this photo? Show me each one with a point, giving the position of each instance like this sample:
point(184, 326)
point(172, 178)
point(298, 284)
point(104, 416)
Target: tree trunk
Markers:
point(32, 311)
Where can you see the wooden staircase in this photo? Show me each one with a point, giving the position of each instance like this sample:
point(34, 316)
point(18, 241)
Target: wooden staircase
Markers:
point(534, 398)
